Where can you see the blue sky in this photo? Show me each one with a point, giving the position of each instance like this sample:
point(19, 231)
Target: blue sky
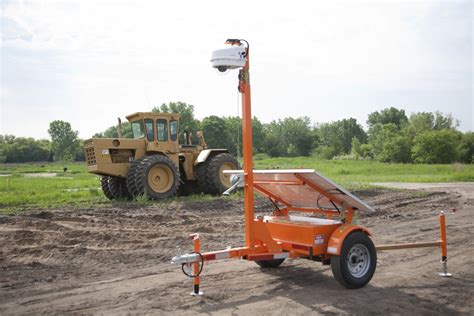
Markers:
point(88, 62)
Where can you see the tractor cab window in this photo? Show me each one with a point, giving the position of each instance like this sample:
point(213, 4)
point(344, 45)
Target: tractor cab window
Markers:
point(137, 129)
point(162, 130)
point(173, 130)
point(150, 135)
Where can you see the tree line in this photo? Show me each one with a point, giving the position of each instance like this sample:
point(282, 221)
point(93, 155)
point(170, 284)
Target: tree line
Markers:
point(392, 136)
point(64, 145)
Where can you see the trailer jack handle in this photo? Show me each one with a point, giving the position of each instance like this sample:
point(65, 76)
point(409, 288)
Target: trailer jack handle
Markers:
point(441, 243)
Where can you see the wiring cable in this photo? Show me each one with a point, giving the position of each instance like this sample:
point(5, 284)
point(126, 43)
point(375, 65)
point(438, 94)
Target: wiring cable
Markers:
point(201, 265)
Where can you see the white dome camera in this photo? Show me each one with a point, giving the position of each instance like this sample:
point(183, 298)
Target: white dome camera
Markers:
point(229, 58)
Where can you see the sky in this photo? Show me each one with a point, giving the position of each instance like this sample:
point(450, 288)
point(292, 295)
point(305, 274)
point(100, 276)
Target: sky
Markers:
point(89, 62)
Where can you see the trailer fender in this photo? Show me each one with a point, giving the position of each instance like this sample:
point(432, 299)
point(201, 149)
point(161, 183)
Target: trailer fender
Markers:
point(203, 155)
point(338, 236)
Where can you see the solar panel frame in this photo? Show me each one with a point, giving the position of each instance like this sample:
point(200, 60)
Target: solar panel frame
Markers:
point(304, 188)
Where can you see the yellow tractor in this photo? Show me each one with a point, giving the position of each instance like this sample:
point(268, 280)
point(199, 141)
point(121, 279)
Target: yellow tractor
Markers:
point(154, 164)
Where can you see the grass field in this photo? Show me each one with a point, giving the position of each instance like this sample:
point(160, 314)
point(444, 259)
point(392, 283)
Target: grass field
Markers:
point(21, 188)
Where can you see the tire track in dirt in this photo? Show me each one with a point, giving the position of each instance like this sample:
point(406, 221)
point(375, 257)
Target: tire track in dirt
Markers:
point(116, 260)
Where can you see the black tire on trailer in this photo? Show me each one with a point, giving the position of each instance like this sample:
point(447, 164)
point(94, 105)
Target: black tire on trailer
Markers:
point(356, 264)
point(211, 179)
point(104, 184)
point(273, 263)
point(157, 177)
point(118, 188)
point(132, 177)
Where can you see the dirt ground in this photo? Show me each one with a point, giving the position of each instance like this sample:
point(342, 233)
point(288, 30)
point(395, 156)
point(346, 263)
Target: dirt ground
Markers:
point(116, 261)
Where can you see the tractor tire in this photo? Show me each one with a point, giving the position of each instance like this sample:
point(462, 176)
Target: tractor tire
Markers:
point(270, 263)
point(356, 264)
point(118, 188)
point(132, 177)
point(187, 188)
point(157, 177)
point(211, 179)
point(104, 184)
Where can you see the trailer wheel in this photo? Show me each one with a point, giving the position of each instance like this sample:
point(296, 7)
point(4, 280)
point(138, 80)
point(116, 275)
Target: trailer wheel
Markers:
point(270, 263)
point(104, 184)
point(356, 264)
point(157, 177)
point(211, 179)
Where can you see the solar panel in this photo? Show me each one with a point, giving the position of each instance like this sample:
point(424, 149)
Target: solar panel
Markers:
point(305, 189)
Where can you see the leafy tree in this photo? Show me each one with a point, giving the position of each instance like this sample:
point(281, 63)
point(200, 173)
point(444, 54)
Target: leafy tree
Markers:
point(389, 144)
point(273, 144)
point(64, 140)
point(299, 136)
point(355, 148)
point(258, 132)
point(426, 121)
point(421, 122)
point(336, 137)
point(366, 151)
point(437, 146)
point(387, 116)
point(444, 121)
point(79, 152)
point(187, 121)
point(23, 149)
point(288, 137)
point(234, 128)
point(466, 148)
point(216, 132)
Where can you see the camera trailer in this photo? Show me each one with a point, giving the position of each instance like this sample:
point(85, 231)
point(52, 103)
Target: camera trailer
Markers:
point(312, 218)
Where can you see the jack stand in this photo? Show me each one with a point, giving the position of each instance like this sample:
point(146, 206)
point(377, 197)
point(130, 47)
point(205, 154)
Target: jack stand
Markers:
point(443, 244)
point(196, 279)
point(196, 291)
point(445, 269)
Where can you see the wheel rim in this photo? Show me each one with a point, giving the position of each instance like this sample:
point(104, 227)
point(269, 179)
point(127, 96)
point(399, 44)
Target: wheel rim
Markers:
point(358, 260)
point(160, 178)
point(225, 178)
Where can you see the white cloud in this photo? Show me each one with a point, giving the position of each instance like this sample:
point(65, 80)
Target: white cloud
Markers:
point(328, 60)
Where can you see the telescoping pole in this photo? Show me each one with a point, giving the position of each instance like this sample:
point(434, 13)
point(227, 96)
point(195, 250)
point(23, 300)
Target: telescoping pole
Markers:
point(244, 88)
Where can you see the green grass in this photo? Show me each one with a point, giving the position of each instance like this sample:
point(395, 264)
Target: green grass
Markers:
point(77, 188)
point(349, 172)
point(74, 188)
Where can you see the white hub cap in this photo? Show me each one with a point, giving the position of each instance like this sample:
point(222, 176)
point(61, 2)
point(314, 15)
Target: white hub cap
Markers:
point(358, 260)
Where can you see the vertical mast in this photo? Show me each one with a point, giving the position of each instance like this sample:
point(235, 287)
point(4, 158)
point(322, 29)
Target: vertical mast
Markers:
point(244, 88)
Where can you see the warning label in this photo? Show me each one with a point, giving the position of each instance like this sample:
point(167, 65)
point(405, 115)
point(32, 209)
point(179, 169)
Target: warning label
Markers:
point(318, 239)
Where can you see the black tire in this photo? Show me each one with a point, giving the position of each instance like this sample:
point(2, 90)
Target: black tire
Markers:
point(270, 263)
point(157, 177)
point(131, 178)
point(118, 188)
point(210, 180)
point(104, 184)
point(356, 264)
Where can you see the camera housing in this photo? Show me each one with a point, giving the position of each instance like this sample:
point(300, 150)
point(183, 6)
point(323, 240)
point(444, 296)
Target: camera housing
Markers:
point(229, 58)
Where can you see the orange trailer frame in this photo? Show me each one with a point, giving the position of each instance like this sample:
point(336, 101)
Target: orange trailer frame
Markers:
point(282, 235)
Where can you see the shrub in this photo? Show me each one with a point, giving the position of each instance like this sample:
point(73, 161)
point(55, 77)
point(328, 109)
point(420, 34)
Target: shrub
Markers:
point(436, 147)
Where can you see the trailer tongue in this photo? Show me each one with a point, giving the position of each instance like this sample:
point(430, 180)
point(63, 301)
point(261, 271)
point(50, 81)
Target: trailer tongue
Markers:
point(323, 228)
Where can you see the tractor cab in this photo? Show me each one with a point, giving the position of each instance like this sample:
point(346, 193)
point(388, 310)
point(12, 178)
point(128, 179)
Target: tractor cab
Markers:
point(159, 130)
